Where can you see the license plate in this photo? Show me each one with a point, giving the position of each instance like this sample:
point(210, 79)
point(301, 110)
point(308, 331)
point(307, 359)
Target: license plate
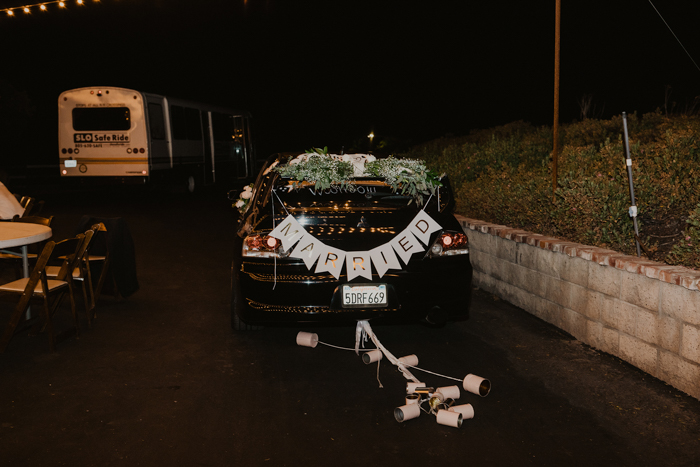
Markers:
point(361, 295)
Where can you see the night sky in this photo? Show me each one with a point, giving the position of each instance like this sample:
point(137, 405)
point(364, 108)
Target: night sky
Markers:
point(317, 73)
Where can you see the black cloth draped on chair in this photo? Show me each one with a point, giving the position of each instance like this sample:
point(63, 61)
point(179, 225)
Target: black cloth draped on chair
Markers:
point(121, 250)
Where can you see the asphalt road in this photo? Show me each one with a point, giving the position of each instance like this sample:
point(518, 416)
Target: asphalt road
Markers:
point(161, 379)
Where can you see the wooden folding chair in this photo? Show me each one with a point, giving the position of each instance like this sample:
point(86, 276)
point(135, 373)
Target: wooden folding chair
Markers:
point(38, 285)
point(81, 272)
point(27, 203)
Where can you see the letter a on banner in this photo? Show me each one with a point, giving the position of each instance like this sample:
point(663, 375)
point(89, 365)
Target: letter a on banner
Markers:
point(384, 258)
point(289, 231)
point(358, 264)
point(422, 226)
point(331, 260)
point(308, 249)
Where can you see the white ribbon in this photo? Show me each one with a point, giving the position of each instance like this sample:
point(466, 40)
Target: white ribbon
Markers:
point(364, 330)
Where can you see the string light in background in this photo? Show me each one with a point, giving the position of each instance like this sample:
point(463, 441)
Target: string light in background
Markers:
point(43, 6)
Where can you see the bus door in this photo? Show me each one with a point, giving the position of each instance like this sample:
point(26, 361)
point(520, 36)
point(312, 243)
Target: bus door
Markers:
point(158, 124)
point(239, 148)
point(208, 143)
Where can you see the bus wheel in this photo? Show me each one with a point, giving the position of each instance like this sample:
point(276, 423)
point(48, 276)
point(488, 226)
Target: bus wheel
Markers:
point(191, 185)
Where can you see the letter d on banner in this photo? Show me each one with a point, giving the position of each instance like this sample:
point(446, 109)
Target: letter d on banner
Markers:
point(422, 226)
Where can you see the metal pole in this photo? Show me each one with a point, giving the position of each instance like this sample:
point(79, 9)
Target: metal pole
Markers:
point(555, 128)
point(628, 162)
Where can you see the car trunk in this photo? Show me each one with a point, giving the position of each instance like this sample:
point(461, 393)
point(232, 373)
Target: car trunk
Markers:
point(360, 220)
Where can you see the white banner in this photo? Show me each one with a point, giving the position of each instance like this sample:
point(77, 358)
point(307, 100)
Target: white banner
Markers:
point(308, 249)
point(357, 263)
point(330, 260)
point(384, 258)
point(422, 226)
point(289, 231)
point(406, 244)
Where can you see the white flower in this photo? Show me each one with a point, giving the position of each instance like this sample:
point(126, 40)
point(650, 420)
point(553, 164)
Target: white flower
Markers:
point(240, 203)
point(272, 166)
point(247, 194)
point(299, 158)
point(248, 188)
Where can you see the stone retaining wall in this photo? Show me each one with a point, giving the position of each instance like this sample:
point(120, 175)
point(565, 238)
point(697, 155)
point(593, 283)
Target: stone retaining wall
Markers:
point(644, 312)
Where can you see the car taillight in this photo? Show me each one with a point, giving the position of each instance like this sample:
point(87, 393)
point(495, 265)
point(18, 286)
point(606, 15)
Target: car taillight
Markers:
point(449, 244)
point(263, 246)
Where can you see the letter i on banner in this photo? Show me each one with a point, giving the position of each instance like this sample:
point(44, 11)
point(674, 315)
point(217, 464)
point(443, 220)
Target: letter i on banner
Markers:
point(358, 264)
point(384, 258)
point(289, 231)
point(330, 260)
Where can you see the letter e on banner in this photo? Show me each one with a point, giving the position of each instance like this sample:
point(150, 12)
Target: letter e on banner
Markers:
point(422, 226)
point(358, 264)
point(330, 260)
point(384, 258)
point(405, 244)
point(289, 231)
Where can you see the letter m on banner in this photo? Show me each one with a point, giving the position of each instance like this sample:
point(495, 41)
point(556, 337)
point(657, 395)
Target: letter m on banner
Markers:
point(289, 231)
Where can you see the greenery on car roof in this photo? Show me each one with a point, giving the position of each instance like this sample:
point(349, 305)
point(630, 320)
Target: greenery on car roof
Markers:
point(408, 177)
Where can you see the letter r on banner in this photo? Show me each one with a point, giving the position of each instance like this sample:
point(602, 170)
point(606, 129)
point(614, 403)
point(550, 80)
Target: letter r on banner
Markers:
point(358, 264)
point(330, 260)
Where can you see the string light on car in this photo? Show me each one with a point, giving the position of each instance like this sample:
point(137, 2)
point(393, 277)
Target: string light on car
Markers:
point(43, 6)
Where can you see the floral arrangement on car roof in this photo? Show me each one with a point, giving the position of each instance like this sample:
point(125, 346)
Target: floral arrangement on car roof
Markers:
point(406, 176)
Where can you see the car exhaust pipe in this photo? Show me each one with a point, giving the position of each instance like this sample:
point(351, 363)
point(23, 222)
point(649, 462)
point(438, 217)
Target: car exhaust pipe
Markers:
point(437, 316)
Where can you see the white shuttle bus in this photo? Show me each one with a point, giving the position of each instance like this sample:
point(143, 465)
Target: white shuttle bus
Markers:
point(133, 136)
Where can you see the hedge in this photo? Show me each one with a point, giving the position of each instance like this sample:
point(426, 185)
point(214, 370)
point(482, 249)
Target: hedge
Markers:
point(503, 175)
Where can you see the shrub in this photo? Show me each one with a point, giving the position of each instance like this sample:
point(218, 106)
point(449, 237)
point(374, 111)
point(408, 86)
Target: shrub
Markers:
point(503, 175)
point(687, 251)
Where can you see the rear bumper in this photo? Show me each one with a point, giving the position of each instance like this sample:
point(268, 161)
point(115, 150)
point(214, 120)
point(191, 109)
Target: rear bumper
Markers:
point(289, 292)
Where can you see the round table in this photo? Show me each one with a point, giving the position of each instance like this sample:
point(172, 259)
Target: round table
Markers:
point(22, 234)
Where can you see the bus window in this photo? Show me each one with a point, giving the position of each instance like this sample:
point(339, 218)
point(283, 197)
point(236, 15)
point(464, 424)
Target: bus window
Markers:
point(156, 122)
point(101, 119)
point(177, 116)
point(193, 124)
point(223, 127)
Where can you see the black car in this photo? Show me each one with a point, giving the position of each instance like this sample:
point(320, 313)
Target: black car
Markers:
point(365, 247)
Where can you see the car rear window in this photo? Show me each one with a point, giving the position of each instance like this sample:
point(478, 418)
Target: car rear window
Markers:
point(355, 195)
